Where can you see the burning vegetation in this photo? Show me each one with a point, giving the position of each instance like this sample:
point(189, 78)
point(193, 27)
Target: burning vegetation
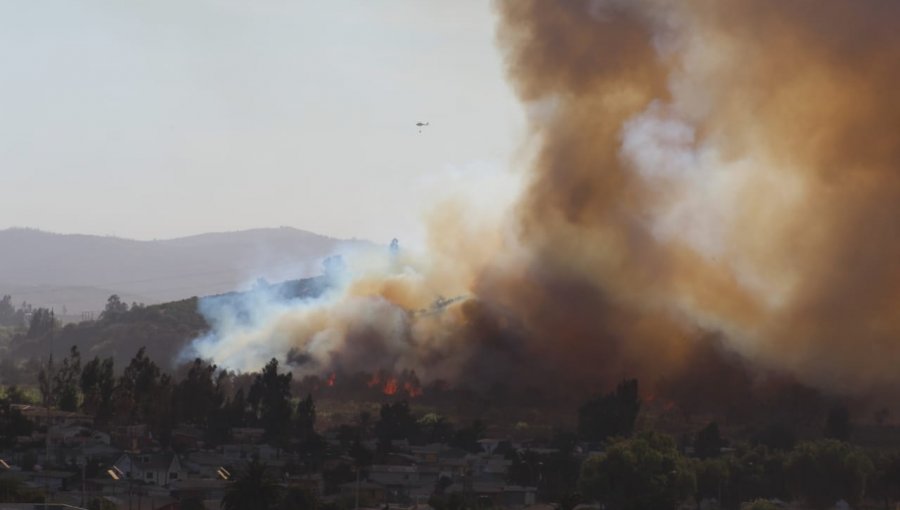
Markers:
point(704, 208)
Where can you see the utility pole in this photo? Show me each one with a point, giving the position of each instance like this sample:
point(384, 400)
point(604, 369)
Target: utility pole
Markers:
point(83, 465)
point(356, 504)
point(48, 399)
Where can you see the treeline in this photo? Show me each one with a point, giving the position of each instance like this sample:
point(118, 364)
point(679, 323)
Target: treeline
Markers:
point(648, 471)
point(118, 332)
point(26, 318)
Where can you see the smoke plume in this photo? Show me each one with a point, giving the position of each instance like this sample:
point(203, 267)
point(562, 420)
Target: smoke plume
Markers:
point(702, 169)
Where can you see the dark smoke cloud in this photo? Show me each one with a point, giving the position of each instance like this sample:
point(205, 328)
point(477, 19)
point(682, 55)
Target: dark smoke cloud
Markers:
point(714, 196)
point(732, 165)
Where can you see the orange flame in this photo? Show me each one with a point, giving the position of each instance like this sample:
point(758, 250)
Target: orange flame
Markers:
point(390, 386)
point(331, 378)
point(412, 390)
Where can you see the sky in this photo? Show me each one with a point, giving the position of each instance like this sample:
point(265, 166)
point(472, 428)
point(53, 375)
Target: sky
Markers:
point(155, 119)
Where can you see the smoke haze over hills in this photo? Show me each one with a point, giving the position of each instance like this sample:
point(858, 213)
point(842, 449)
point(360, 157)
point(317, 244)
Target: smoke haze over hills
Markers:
point(81, 271)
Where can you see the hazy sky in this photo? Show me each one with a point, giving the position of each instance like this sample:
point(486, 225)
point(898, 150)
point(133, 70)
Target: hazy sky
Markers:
point(161, 118)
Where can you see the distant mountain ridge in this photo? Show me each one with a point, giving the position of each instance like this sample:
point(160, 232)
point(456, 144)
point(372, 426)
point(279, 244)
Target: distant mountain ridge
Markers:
point(77, 272)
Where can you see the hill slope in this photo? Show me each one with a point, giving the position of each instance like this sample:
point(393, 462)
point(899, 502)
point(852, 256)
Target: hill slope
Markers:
point(79, 272)
point(164, 330)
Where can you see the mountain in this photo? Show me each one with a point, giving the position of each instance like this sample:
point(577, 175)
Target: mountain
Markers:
point(76, 273)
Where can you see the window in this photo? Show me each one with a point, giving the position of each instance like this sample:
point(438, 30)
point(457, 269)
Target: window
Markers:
point(173, 476)
point(149, 475)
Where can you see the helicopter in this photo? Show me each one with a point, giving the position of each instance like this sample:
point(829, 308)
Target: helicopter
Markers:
point(420, 125)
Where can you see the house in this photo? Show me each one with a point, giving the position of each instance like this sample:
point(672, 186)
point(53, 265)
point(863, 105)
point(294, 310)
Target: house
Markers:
point(247, 434)
point(202, 489)
point(204, 463)
point(490, 468)
point(497, 494)
point(187, 438)
point(399, 482)
point(312, 483)
point(50, 480)
point(43, 417)
point(370, 493)
point(394, 475)
point(133, 437)
point(243, 452)
point(154, 468)
point(427, 454)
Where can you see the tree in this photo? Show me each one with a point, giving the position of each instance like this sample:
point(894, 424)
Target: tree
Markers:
point(395, 422)
point(115, 309)
point(708, 443)
point(13, 490)
point(12, 424)
point(753, 472)
point(837, 425)
point(361, 456)
point(762, 504)
point(467, 438)
point(270, 400)
point(297, 498)
point(436, 428)
point(45, 383)
point(42, 322)
point(8, 313)
point(15, 395)
point(197, 396)
point(305, 421)
point(610, 415)
point(253, 489)
point(777, 436)
point(60, 387)
point(144, 396)
point(642, 473)
point(99, 503)
point(66, 381)
point(191, 504)
point(97, 384)
point(825, 471)
point(713, 476)
point(885, 483)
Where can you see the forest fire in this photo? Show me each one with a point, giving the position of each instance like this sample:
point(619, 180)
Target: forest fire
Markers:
point(634, 238)
point(411, 389)
point(405, 384)
point(390, 386)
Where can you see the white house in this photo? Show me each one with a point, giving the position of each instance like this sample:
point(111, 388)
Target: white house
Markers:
point(155, 468)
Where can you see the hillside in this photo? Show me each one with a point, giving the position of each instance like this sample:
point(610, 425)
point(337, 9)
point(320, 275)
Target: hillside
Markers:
point(78, 272)
point(164, 330)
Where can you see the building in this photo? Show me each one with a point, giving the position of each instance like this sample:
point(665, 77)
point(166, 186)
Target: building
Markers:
point(370, 493)
point(154, 468)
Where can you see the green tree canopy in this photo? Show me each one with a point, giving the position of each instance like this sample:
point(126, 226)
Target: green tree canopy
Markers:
point(115, 309)
point(708, 443)
point(270, 400)
point(610, 415)
point(305, 420)
point(97, 384)
point(253, 489)
point(43, 321)
point(826, 471)
point(396, 421)
point(642, 473)
point(197, 396)
point(837, 424)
